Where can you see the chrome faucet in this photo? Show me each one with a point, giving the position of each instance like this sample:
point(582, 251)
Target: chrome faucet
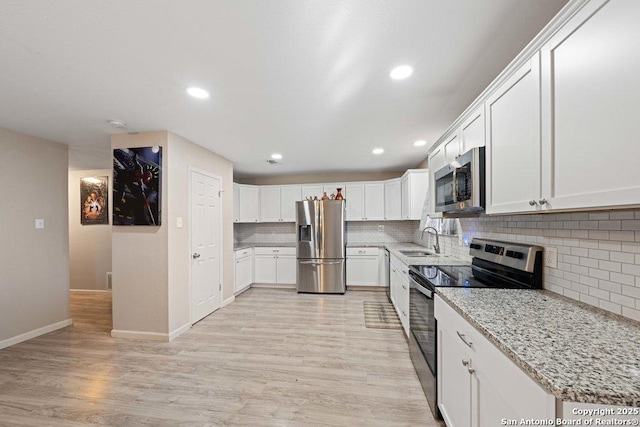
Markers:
point(436, 247)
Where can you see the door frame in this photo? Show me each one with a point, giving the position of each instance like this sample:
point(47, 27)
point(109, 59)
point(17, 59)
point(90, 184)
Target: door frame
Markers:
point(220, 239)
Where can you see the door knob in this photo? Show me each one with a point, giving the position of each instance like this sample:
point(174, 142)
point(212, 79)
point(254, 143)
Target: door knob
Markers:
point(543, 201)
point(195, 256)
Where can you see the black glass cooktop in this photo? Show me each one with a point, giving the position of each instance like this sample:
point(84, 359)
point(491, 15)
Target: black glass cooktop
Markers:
point(462, 276)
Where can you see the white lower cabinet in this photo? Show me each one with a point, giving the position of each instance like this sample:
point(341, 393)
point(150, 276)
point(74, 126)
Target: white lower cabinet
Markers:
point(478, 385)
point(363, 267)
point(399, 277)
point(244, 269)
point(275, 265)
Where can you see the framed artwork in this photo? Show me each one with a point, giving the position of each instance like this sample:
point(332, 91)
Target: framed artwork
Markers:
point(94, 200)
point(137, 176)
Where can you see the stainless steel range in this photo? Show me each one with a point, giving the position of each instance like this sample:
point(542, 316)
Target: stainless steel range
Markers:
point(495, 264)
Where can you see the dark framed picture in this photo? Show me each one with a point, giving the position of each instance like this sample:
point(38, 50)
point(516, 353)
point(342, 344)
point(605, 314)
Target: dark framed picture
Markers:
point(94, 200)
point(137, 176)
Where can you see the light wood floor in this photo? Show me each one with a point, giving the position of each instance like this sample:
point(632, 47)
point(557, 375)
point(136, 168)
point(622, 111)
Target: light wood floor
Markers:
point(271, 358)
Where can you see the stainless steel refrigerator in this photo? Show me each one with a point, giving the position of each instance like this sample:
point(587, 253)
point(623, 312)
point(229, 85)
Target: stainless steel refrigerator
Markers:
point(320, 228)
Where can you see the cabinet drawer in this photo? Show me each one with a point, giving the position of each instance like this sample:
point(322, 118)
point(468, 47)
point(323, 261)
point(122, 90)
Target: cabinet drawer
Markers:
point(275, 251)
point(459, 327)
point(362, 251)
point(243, 253)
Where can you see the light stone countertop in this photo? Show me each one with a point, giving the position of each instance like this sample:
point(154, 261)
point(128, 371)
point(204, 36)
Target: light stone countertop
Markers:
point(576, 352)
point(240, 246)
point(395, 248)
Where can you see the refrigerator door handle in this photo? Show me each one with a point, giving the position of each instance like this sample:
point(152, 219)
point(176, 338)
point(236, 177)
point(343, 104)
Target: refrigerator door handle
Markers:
point(319, 262)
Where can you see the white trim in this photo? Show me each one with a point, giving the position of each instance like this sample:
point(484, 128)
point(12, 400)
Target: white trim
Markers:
point(228, 301)
point(274, 285)
point(35, 333)
point(181, 330)
point(155, 336)
point(90, 290)
point(243, 290)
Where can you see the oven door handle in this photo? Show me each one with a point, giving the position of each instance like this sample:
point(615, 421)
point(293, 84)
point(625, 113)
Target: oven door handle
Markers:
point(423, 290)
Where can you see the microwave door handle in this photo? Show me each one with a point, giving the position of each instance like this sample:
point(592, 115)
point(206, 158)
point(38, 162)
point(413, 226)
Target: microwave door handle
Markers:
point(455, 185)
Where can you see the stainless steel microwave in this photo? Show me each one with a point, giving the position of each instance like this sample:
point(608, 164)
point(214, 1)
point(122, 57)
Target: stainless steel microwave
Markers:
point(460, 184)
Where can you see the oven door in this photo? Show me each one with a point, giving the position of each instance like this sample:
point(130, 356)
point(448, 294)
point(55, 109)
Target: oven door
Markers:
point(422, 321)
point(422, 339)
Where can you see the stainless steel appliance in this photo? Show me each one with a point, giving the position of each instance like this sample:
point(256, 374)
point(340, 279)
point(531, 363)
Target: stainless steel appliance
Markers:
point(320, 228)
point(460, 184)
point(495, 264)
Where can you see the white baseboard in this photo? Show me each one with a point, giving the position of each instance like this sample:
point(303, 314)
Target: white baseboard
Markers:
point(90, 290)
point(274, 285)
point(376, 288)
point(140, 335)
point(35, 333)
point(228, 301)
point(181, 330)
point(243, 290)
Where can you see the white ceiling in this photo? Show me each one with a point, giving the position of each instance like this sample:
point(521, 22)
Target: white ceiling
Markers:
point(305, 78)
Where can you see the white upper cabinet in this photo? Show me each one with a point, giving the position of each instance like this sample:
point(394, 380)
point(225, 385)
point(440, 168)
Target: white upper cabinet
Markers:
point(436, 162)
point(312, 190)
point(277, 203)
point(365, 201)
point(451, 148)
point(236, 202)
point(392, 199)
point(591, 100)
point(248, 206)
point(269, 204)
point(472, 132)
point(415, 185)
point(289, 195)
point(513, 142)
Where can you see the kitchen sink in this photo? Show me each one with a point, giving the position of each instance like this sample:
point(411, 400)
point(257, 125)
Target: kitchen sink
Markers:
point(416, 253)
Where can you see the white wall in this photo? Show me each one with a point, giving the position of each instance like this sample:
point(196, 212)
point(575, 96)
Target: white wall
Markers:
point(34, 264)
point(140, 259)
point(89, 245)
point(183, 154)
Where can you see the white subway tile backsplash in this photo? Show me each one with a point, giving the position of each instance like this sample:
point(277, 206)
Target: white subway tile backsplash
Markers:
point(631, 313)
point(623, 300)
point(600, 248)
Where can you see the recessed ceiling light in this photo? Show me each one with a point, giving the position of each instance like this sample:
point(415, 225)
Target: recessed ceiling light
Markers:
point(117, 123)
point(378, 151)
point(401, 72)
point(276, 156)
point(420, 143)
point(196, 92)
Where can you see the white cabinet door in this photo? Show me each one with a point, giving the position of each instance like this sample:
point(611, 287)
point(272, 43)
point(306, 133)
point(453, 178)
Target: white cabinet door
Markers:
point(312, 191)
point(472, 132)
point(249, 208)
point(513, 142)
point(244, 272)
point(355, 202)
point(265, 269)
point(454, 381)
point(451, 148)
point(269, 204)
point(392, 199)
point(362, 270)
point(406, 203)
point(373, 201)
point(289, 195)
point(591, 103)
point(286, 269)
point(236, 202)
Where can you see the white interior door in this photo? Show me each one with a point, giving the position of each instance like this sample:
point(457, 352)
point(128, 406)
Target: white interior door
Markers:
point(206, 288)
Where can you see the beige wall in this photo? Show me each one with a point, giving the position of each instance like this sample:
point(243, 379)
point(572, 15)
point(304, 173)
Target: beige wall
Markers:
point(424, 164)
point(183, 155)
point(319, 178)
point(140, 258)
point(89, 245)
point(34, 264)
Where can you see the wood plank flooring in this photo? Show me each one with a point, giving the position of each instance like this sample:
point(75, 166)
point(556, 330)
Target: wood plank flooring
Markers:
point(271, 358)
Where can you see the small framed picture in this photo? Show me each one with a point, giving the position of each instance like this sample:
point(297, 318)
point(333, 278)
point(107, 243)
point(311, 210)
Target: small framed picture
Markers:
point(94, 200)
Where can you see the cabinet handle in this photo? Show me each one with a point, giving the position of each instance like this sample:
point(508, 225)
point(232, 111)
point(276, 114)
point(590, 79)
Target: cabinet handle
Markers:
point(404, 271)
point(532, 203)
point(362, 252)
point(465, 362)
point(464, 339)
point(543, 201)
point(471, 370)
point(404, 314)
point(404, 287)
